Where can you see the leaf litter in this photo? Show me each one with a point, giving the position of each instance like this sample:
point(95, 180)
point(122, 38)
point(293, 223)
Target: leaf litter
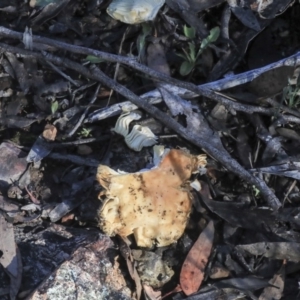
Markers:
point(53, 53)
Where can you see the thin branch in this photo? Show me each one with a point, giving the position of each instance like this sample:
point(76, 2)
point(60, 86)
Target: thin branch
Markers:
point(221, 155)
point(204, 90)
point(82, 117)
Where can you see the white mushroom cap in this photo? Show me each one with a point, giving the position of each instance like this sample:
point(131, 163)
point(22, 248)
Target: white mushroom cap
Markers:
point(134, 11)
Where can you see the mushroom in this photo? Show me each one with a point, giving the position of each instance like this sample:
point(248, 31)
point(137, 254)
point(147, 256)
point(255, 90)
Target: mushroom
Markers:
point(139, 136)
point(134, 11)
point(154, 204)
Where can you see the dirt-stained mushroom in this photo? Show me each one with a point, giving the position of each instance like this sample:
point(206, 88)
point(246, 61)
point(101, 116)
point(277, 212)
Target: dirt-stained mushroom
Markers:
point(123, 122)
point(154, 205)
point(139, 137)
point(134, 11)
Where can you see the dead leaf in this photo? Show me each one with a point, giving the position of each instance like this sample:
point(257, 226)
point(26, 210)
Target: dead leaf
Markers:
point(244, 284)
point(275, 291)
point(192, 272)
point(151, 294)
point(246, 16)
point(276, 250)
point(49, 133)
point(126, 253)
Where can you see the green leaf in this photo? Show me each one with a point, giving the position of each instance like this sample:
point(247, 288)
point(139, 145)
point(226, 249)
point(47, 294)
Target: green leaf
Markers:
point(93, 59)
point(141, 40)
point(192, 52)
point(182, 56)
point(189, 32)
point(213, 36)
point(186, 68)
point(54, 107)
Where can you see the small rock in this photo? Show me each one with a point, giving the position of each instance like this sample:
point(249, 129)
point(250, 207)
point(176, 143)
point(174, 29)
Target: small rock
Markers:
point(88, 274)
point(84, 150)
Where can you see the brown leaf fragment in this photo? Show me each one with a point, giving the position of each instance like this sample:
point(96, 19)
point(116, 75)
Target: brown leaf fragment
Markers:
point(126, 253)
point(237, 215)
point(275, 291)
point(218, 271)
point(151, 294)
point(245, 284)
point(49, 133)
point(277, 250)
point(192, 271)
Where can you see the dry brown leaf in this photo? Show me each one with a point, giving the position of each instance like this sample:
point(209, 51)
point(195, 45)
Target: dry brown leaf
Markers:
point(49, 133)
point(192, 271)
point(154, 205)
point(275, 291)
point(126, 253)
point(151, 294)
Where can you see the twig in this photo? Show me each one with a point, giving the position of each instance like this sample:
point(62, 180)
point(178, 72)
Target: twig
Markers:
point(83, 161)
point(80, 142)
point(222, 156)
point(82, 117)
point(277, 105)
point(32, 198)
point(55, 68)
point(203, 90)
point(118, 64)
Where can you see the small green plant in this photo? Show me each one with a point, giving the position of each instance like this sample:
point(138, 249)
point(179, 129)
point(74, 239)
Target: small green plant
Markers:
point(94, 59)
point(141, 40)
point(291, 92)
point(54, 107)
point(85, 132)
point(256, 191)
point(191, 55)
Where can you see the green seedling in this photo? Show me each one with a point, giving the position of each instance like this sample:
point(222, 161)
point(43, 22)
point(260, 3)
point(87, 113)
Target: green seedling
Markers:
point(192, 54)
point(141, 40)
point(94, 59)
point(54, 107)
point(256, 191)
point(291, 93)
point(85, 132)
